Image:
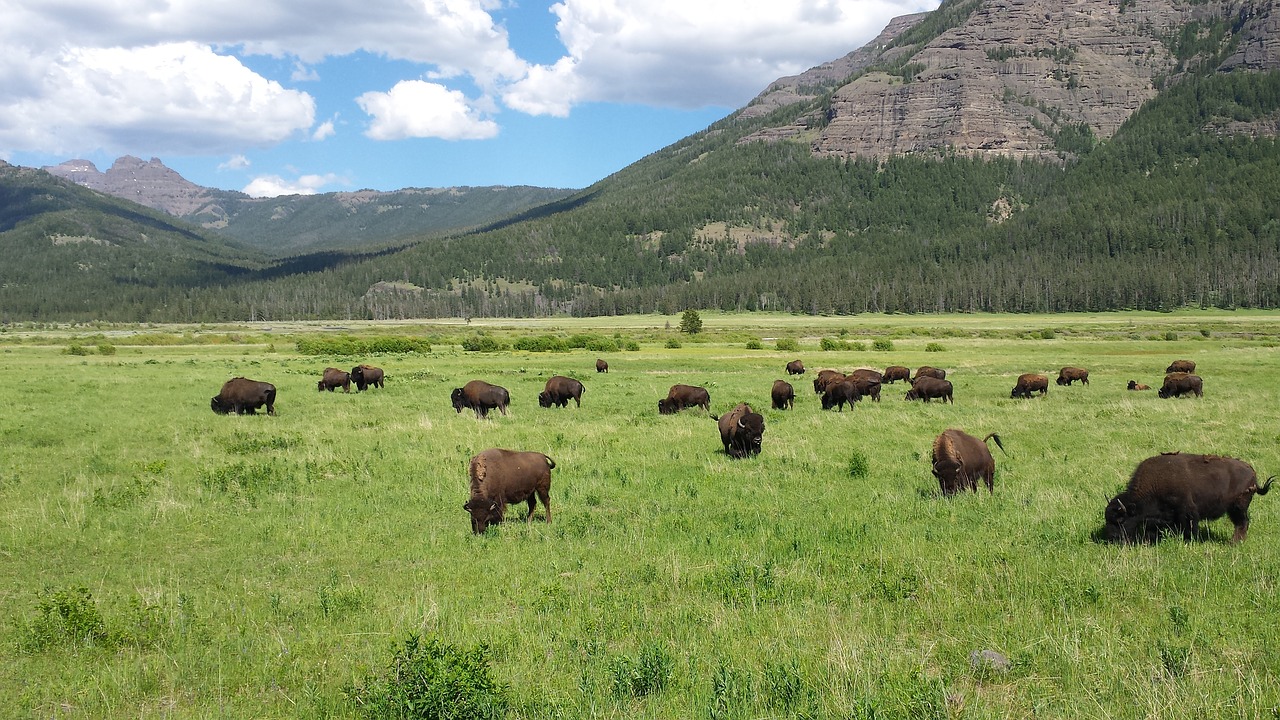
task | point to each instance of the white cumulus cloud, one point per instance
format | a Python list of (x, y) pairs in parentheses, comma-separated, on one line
[(235, 162), (275, 186), (419, 109), (324, 130)]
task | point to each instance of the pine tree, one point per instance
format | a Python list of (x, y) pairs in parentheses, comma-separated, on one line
[(691, 322)]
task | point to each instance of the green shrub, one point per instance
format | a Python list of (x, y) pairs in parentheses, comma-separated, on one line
[(754, 345), (934, 347), (673, 343), (1048, 334), (830, 344), (67, 617), (603, 345), (541, 343), (432, 679), (882, 345), (482, 343), (631, 346), (348, 345), (77, 349), (645, 674), (106, 349), (1170, 335), (787, 344), (859, 466)]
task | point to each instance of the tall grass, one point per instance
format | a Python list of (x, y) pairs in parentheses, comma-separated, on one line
[(161, 561)]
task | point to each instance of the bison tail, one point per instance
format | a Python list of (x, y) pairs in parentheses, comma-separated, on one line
[(997, 439), (551, 464), (1266, 486)]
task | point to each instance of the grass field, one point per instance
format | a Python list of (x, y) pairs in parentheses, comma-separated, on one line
[(157, 560)]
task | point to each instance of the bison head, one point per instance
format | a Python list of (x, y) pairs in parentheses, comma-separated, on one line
[(357, 373), (484, 512), (1124, 521), (544, 399), (667, 406), (459, 401), (320, 386), (220, 407), (750, 434)]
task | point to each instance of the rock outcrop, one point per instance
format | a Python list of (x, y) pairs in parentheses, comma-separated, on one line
[(150, 183)]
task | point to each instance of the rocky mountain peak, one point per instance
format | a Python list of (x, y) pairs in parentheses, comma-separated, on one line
[(146, 182)]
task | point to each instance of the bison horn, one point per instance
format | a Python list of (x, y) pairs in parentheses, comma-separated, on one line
[(741, 424)]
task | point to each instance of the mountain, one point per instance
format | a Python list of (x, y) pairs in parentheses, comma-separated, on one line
[(296, 224)]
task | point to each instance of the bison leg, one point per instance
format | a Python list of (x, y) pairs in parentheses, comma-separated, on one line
[(1240, 518), (990, 478), (533, 501)]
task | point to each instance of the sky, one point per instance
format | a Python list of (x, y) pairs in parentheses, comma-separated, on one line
[(275, 97)]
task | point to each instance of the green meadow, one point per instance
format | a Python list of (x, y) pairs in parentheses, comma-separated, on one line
[(161, 561)]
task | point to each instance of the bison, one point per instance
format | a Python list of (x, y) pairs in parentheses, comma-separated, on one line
[(867, 386), (894, 373), (1174, 492), (825, 379), (559, 390), (959, 459), (1068, 375), (928, 388), (1135, 385), (1185, 366), (783, 395), (845, 391), (926, 371), (1029, 383), (480, 397), (500, 477), (244, 396), (1178, 384), (602, 366), (795, 367), (334, 378), (680, 397), (866, 373), (741, 431), (367, 376)]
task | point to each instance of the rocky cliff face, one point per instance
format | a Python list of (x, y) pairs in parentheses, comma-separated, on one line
[(148, 183), (1014, 74)]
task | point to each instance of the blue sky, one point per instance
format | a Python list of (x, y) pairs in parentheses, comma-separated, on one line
[(328, 95)]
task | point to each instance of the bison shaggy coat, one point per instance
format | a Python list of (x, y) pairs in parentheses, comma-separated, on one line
[(1186, 366), (926, 371), (928, 388), (783, 395), (680, 397), (1029, 383), (1173, 492), (836, 395), (500, 477), (559, 390), (334, 378), (480, 397), (741, 431), (959, 459), (1068, 375), (1178, 384), (367, 376), (243, 396), (602, 366), (894, 373), (795, 367)]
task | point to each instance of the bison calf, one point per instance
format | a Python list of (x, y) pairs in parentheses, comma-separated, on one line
[(1135, 385), (680, 397), (244, 396), (1068, 375), (480, 397), (500, 477), (1029, 383), (795, 367), (783, 395), (334, 378), (1174, 492), (959, 459), (1179, 384), (741, 431), (367, 376), (602, 366), (559, 390)]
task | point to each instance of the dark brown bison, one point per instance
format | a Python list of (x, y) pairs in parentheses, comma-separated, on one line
[(741, 431), (680, 397), (602, 366), (933, 372), (243, 396), (1174, 492), (559, 390), (894, 373), (481, 397), (500, 477), (825, 379), (845, 391), (1185, 366), (1029, 383), (959, 459), (1068, 375), (1178, 384), (1135, 385), (868, 386), (783, 395), (795, 367), (928, 388), (365, 376), (333, 379)]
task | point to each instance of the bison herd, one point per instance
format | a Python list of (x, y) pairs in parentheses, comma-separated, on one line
[(1168, 493)]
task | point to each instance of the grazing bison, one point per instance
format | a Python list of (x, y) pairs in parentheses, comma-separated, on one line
[(602, 366), (795, 367), (867, 386), (825, 379), (243, 396), (741, 431), (1185, 366), (500, 477), (334, 378), (559, 390), (928, 388), (680, 397), (481, 397), (845, 391), (1029, 383), (365, 376), (1135, 385), (1068, 375), (1174, 492), (784, 396), (927, 372), (959, 459), (866, 373), (894, 373), (1178, 384)]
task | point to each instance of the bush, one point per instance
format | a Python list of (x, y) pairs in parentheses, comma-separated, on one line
[(631, 346), (77, 349), (432, 679), (673, 343), (882, 345), (1048, 334), (934, 347), (541, 343), (603, 345), (754, 345), (482, 343), (787, 345), (67, 617), (645, 674), (1170, 335), (347, 345), (859, 466), (106, 349)]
